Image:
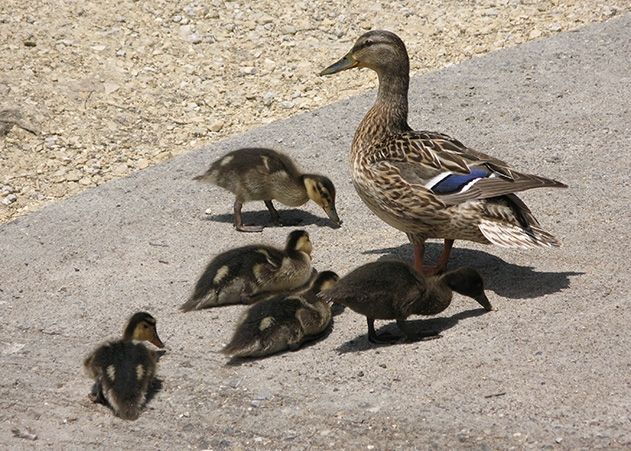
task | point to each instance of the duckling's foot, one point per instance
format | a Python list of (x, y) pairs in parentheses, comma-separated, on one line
[(238, 220), (384, 338)]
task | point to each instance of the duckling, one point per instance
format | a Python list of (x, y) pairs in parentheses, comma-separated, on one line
[(265, 174), (250, 273), (283, 322), (123, 369), (394, 290)]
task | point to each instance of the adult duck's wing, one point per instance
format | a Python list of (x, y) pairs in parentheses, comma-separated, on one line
[(452, 172)]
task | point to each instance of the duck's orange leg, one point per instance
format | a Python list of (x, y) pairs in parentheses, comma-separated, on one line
[(441, 263)]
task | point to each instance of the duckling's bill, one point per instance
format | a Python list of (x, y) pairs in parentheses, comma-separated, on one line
[(484, 302), (331, 212), (150, 334)]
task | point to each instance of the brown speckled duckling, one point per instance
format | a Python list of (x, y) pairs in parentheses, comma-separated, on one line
[(247, 274), (123, 369), (283, 323), (265, 174), (394, 290)]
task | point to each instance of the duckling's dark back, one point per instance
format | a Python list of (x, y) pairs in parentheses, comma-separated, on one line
[(266, 327), (124, 370), (240, 162), (378, 290), (224, 268)]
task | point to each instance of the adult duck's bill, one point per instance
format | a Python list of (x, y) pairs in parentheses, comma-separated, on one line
[(347, 62)]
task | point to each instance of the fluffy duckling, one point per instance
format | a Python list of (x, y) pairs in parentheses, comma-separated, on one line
[(250, 273), (283, 323), (265, 174), (394, 290), (123, 369)]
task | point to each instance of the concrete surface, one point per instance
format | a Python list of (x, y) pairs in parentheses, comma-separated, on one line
[(549, 369)]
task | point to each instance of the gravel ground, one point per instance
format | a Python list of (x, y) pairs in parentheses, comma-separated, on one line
[(91, 91), (548, 370)]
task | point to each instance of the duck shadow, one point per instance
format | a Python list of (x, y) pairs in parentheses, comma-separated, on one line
[(428, 328), (289, 218), (506, 279)]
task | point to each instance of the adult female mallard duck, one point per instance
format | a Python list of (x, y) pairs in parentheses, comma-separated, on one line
[(265, 174), (123, 369), (284, 322), (251, 273), (393, 290), (428, 184)]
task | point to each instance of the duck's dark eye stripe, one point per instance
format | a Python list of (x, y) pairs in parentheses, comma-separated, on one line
[(363, 45)]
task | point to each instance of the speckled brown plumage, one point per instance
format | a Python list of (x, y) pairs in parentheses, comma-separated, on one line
[(428, 184)]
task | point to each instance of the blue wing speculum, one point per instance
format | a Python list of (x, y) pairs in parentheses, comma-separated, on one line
[(449, 183)]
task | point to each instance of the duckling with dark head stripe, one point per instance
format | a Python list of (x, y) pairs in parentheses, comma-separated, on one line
[(265, 174), (394, 290), (247, 274), (283, 323), (123, 369)]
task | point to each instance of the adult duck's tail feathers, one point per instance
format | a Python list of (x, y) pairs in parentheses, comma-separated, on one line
[(516, 236)]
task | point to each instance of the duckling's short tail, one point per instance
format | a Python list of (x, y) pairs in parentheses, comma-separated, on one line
[(127, 409), (209, 176), (243, 347)]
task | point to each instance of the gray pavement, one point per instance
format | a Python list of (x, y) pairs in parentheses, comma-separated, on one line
[(550, 368)]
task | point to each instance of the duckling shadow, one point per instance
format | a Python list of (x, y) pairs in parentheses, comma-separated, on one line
[(289, 218), (506, 279), (425, 327)]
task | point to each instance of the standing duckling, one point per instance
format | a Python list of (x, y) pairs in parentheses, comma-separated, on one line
[(249, 273), (123, 369), (394, 290), (283, 322), (265, 174)]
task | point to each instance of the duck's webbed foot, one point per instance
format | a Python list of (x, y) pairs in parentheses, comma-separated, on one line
[(384, 338), (238, 220), (275, 217)]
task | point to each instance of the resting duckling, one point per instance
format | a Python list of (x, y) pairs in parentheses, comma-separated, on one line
[(265, 174), (283, 322), (427, 184), (123, 369), (394, 290), (247, 274)]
